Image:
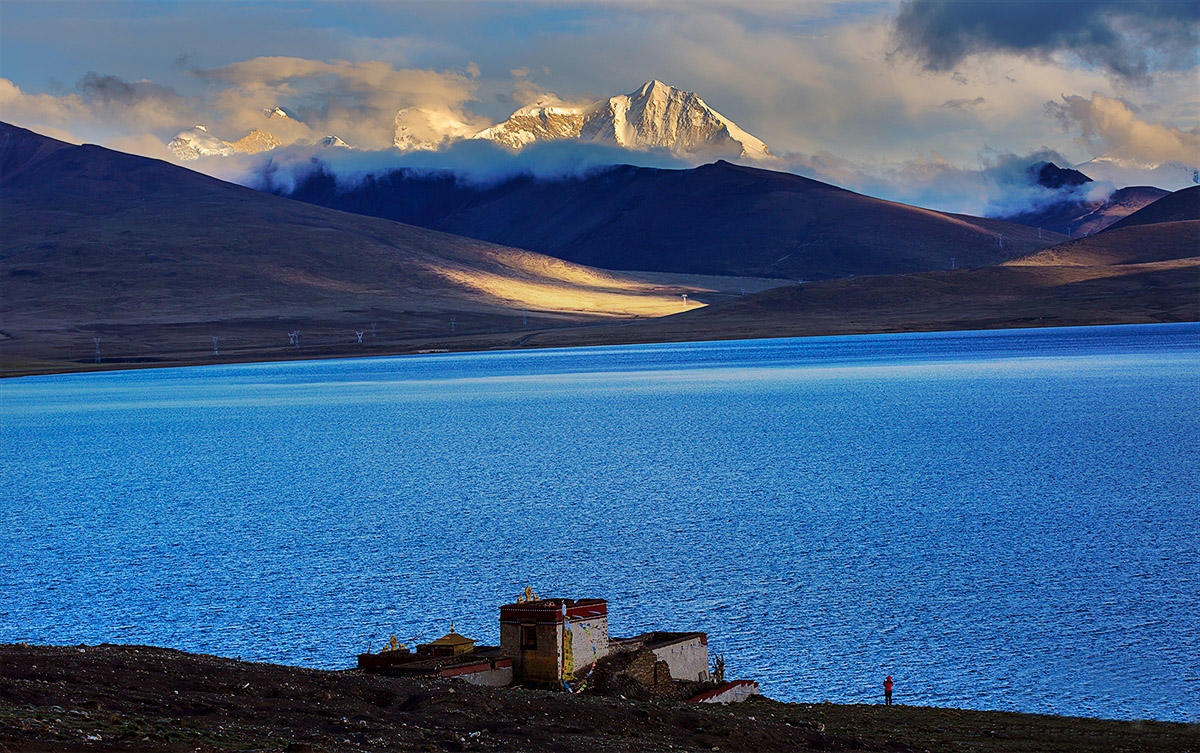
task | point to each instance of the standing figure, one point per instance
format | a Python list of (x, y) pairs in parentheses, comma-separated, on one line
[(887, 690)]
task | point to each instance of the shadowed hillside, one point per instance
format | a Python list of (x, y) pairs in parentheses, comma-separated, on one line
[(1139, 271), (1166, 230), (1183, 204), (156, 260), (715, 219)]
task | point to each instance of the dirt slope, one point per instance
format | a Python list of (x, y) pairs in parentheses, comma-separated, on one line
[(130, 698)]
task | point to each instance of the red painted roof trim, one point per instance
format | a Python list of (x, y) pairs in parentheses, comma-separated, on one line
[(719, 690)]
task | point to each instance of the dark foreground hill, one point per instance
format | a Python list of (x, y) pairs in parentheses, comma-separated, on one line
[(133, 698), (156, 260), (720, 219)]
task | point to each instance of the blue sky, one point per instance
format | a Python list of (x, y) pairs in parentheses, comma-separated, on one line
[(916, 100)]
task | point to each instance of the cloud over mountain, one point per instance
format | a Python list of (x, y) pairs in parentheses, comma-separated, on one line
[(357, 101)]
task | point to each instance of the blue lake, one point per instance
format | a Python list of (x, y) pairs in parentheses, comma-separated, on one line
[(1001, 520)]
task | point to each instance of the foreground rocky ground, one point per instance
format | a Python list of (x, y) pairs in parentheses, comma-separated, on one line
[(135, 698)]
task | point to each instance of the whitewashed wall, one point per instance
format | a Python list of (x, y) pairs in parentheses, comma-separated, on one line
[(581, 646), (688, 659)]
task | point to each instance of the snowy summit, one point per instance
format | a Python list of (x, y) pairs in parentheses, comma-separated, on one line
[(655, 116)]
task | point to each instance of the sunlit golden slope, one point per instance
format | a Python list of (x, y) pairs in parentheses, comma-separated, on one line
[(618, 298)]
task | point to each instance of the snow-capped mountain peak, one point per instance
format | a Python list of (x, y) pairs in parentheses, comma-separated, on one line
[(653, 116), (275, 112), (197, 142), (419, 128), (334, 141)]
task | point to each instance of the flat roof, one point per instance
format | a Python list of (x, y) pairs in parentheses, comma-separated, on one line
[(659, 638), (553, 602)]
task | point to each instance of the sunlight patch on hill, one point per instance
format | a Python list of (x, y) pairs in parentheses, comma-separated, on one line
[(606, 298)]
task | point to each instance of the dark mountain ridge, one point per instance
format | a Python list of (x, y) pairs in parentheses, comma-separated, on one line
[(1050, 175), (719, 218)]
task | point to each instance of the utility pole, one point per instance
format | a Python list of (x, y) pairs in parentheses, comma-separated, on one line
[(97, 341), (451, 324), (215, 351)]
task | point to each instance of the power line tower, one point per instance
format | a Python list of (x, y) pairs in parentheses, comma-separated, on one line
[(97, 341), (215, 351)]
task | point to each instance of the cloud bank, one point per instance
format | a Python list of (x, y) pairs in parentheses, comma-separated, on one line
[(1112, 127), (356, 101)]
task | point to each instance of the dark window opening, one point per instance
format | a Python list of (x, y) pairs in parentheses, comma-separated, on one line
[(528, 636)]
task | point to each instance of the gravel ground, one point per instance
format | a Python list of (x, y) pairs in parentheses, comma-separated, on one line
[(139, 698)]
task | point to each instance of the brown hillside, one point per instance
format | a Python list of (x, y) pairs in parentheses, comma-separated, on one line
[(156, 260)]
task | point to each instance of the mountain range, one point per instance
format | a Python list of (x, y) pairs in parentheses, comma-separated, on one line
[(655, 116), (719, 219), (166, 265), (155, 259), (197, 141)]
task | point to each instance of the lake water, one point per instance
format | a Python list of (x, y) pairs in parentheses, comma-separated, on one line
[(1001, 520)]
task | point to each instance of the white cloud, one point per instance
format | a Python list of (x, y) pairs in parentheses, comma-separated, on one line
[(1112, 128), (357, 101)]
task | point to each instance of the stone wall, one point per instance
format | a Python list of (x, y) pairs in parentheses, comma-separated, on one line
[(634, 674), (540, 664)]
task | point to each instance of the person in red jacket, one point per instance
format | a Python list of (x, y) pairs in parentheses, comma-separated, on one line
[(887, 690)]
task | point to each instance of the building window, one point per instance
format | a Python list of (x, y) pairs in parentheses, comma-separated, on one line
[(528, 637)]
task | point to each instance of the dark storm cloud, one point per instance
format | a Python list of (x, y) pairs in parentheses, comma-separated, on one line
[(963, 104), (112, 89), (1130, 38)]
